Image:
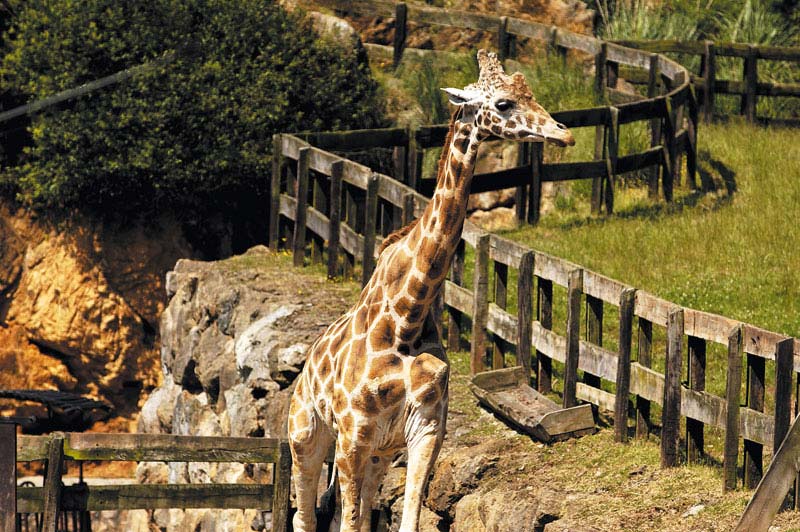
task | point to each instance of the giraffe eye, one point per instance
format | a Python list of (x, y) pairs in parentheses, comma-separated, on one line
[(504, 105)]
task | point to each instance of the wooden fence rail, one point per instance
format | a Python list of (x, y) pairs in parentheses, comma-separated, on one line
[(615, 381), (58, 447)]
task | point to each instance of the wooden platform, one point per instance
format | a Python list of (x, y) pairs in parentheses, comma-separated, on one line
[(507, 393)]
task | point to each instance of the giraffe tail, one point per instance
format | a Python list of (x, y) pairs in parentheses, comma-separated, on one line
[(326, 513)]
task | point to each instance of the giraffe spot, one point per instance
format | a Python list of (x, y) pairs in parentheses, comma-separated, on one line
[(391, 392), (324, 366), (365, 401), (346, 423), (382, 335), (372, 314), (354, 370), (497, 130), (428, 377), (339, 402), (365, 432), (417, 289), (407, 333), (495, 119), (487, 121), (384, 365), (511, 123), (403, 349)]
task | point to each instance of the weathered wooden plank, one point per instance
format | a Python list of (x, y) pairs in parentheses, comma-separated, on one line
[(351, 241), (549, 343), (502, 324), (575, 41), (628, 56), (594, 116), (733, 391), (370, 229), (30, 448), (168, 448), (52, 488), (675, 46), (552, 268), (773, 488), (767, 88), (637, 161), (572, 353), (783, 390), (454, 315), (500, 303), (596, 396), (708, 326), (301, 197), (695, 437), (335, 222), (317, 223), (8, 477), (753, 451), (670, 413), (535, 187), (573, 170), (451, 17), (506, 251), (525, 311), (602, 287), (544, 313), (358, 139), (152, 496), (508, 178), (623, 381), (275, 192), (652, 308), (480, 305), (282, 473), (382, 8), (760, 342), (642, 110), (458, 297), (526, 28)]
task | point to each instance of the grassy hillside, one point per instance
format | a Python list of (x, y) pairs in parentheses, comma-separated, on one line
[(733, 255)]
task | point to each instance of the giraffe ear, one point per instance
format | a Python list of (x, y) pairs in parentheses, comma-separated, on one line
[(461, 97)]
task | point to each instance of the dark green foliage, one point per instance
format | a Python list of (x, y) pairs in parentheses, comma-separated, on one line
[(189, 133)]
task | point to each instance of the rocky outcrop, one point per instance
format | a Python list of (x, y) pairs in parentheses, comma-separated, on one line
[(233, 338), (82, 297)]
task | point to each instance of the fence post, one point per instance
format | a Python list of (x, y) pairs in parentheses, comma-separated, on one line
[(335, 217), (299, 238), (525, 311), (750, 77), (400, 29), (8, 476), (454, 320), (754, 451), (535, 190), (691, 151), (574, 291), (611, 157), (695, 439), (275, 191), (645, 344), (594, 334), (732, 395), (655, 126), (600, 140), (415, 156), (502, 39), (544, 312), (671, 413), (520, 194), (626, 302), (480, 305), (370, 226), (670, 149), (601, 72), (282, 475), (51, 492), (501, 300), (710, 77), (784, 359)]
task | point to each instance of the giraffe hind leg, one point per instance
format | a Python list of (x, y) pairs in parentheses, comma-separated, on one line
[(309, 440)]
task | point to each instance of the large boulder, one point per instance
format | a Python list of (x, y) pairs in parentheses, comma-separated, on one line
[(504, 509), (83, 296)]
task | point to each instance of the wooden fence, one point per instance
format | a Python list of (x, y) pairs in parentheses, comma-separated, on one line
[(326, 208), (670, 110), (749, 88), (55, 448)]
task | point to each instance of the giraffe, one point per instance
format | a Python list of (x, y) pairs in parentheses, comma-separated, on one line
[(376, 381)]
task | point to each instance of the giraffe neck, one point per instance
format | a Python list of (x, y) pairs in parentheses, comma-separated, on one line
[(410, 274)]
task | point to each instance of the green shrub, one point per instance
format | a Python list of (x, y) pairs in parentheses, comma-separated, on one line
[(190, 133)]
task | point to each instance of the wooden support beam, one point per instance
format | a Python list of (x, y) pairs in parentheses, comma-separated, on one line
[(525, 311), (370, 228), (544, 315), (750, 77), (301, 195), (335, 217), (535, 188), (784, 359), (480, 305), (754, 451), (8, 476), (709, 74), (645, 343), (282, 475), (671, 411), (697, 382), (626, 303), (732, 396), (52, 483), (655, 127), (455, 316), (574, 292), (400, 32), (275, 192)]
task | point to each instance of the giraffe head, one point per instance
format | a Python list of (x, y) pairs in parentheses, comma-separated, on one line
[(504, 106)]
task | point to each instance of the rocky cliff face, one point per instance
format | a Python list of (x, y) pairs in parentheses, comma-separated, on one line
[(79, 304), (233, 338)]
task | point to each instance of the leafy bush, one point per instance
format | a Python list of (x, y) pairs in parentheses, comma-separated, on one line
[(187, 133)]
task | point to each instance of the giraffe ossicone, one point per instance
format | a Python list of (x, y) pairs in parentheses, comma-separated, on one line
[(376, 381)]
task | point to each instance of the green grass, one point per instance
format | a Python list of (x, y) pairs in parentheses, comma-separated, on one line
[(732, 256)]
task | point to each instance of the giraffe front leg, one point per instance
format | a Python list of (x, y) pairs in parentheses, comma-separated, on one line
[(351, 461), (373, 476), (425, 428), (309, 441)]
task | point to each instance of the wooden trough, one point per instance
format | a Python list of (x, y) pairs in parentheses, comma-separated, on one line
[(507, 393)]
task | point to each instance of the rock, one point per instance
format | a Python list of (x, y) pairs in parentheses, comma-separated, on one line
[(337, 29), (564, 526), (87, 295), (458, 474), (428, 521), (502, 509), (495, 219)]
